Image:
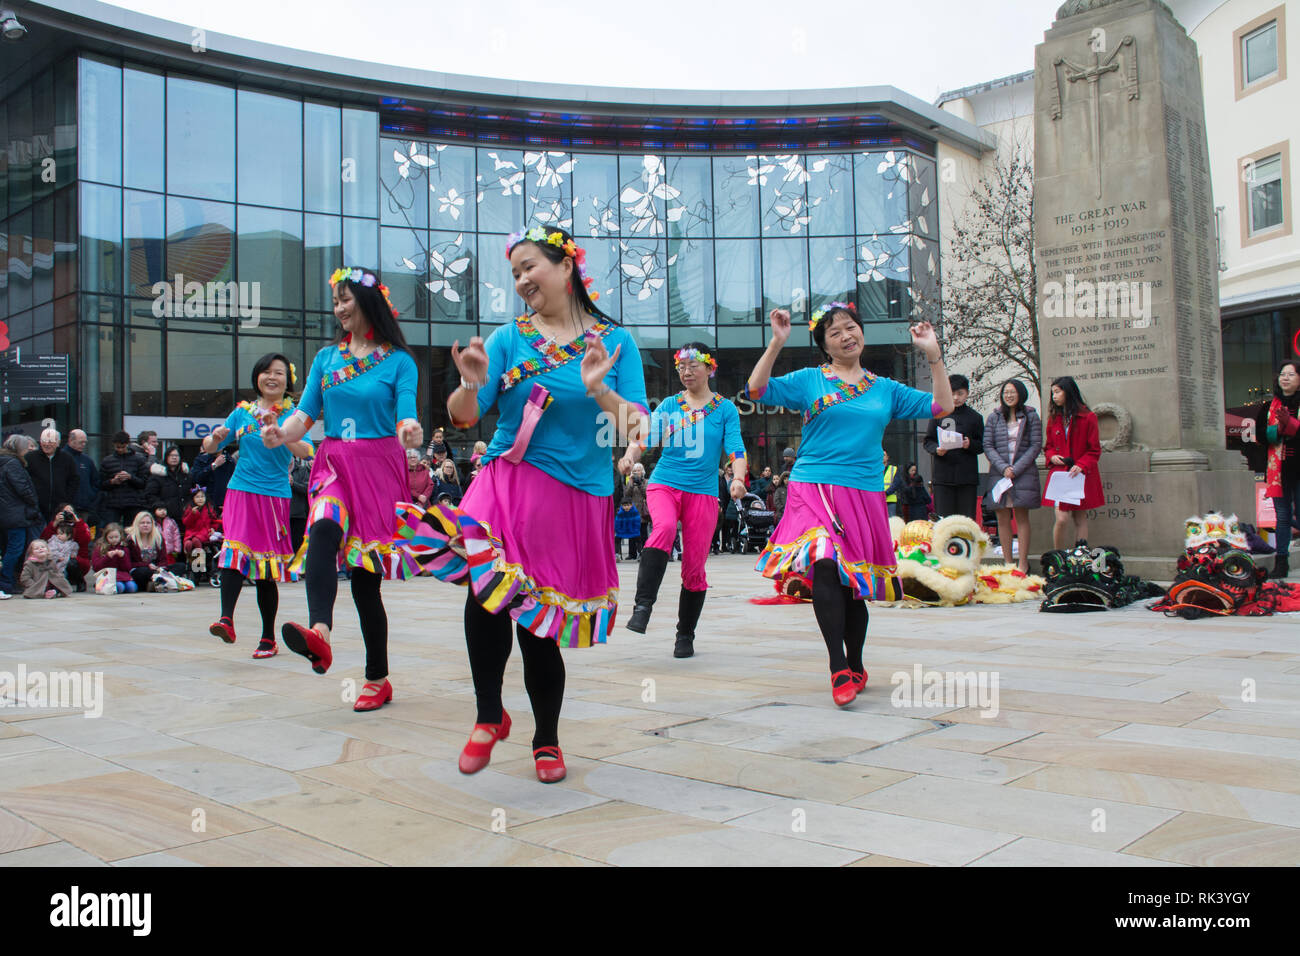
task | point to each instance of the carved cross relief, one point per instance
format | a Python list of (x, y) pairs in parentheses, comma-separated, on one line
[(1102, 63)]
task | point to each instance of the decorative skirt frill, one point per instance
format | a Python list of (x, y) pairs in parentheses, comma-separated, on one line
[(257, 542), (525, 543), (856, 538), (357, 483)]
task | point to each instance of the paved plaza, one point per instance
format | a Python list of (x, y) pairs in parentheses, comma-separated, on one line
[(1120, 738)]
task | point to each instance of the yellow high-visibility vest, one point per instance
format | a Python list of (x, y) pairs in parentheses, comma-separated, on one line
[(890, 471)]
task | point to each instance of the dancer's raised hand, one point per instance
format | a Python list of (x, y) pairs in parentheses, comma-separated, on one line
[(924, 338), (597, 362), (780, 320), (472, 363)]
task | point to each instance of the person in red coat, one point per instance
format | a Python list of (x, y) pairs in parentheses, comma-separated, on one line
[(1072, 444), (66, 514)]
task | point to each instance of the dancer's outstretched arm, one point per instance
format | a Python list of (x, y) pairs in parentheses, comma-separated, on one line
[(780, 320)]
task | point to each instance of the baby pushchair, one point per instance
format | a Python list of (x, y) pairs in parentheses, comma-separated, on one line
[(756, 522)]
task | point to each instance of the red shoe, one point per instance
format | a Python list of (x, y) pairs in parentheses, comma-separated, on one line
[(861, 679), (549, 771), (224, 629), (475, 756), (308, 642), (266, 650), (373, 700), (844, 693)]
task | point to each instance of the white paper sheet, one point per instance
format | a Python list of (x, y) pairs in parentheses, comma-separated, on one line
[(1064, 489), (1001, 488), (949, 440)]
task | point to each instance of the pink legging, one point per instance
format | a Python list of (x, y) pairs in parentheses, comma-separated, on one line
[(699, 517)]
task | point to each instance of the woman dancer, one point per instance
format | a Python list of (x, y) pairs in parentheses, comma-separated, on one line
[(836, 528), (256, 515), (532, 536), (365, 387), (1073, 443), (1013, 437), (696, 427), (1278, 428)]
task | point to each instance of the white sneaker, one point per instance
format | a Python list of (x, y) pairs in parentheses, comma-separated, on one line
[(4, 596)]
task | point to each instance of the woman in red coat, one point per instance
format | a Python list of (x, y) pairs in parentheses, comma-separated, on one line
[(1074, 445)]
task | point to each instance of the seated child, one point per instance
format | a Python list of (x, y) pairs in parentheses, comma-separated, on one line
[(40, 577)]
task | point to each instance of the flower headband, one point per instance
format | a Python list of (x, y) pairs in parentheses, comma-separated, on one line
[(570, 248), (830, 307), (362, 277), (695, 355)]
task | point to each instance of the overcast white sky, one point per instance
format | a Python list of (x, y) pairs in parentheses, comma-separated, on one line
[(923, 47)]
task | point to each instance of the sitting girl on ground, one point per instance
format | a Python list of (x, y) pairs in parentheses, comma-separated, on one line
[(110, 552), (40, 577)]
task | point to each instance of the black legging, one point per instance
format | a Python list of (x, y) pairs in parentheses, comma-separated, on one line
[(321, 575), (487, 636), (268, 600), (841, 616)]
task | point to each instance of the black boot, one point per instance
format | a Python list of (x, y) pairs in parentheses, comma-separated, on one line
[(648, 578), (688, 612), (1281, 563)]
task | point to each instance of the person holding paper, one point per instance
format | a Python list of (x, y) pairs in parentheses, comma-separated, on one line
[(956, 441), (1013, 437), (1072, 446)]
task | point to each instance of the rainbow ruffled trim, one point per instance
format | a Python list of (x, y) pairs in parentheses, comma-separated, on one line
[(462, 550), (255, 565), (871, 582), (378, 557)]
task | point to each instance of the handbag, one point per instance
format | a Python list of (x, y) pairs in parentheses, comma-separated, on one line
[(106, 581)]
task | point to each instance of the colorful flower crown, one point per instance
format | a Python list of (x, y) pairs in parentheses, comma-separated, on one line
[(362, 277), (830, 307), (695, 355), (556, 238)]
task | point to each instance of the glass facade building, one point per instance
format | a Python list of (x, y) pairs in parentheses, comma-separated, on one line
[(168, 223)]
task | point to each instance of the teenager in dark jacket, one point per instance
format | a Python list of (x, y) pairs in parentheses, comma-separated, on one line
[(956, 475), (54, 474), (123, 477), (170, 483)]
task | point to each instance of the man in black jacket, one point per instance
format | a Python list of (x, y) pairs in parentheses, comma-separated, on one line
[(54, 473), (123, 476), (87, 498), (956, 470)]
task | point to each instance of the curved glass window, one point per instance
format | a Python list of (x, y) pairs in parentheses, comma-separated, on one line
[(270, 150)]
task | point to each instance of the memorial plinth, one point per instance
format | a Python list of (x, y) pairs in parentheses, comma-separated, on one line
[(1128, 297)]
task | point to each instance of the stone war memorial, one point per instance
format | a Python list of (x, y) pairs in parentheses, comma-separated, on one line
[(1128, 297)]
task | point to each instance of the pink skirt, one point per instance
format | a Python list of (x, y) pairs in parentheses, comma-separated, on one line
[(358, 483), (527, 543), (862, 546), (257, 543)]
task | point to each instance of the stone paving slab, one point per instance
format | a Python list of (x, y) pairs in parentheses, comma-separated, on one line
[(1122, 738)]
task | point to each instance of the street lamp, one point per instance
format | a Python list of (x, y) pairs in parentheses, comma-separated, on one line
[(13, 30)]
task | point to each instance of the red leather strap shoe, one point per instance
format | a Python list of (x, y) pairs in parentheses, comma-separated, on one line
[(266, 649), (860, 678), (476, 755), (843, 691), (308, 642), (224, 629), (374, 695), (549, 771)]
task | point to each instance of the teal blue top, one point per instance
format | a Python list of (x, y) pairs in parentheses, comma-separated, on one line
[(844, 424), (260, 470), (361, 398), (574, 440), (694, 442)]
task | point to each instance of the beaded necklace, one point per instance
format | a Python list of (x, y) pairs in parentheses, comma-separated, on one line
[(554, 355), (844, 392), (353, 368)]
